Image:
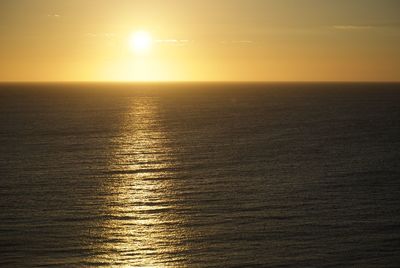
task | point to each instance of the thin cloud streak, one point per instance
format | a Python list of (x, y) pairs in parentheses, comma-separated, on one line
[(243, 42), (174, 42), (353, 27), (54, 16)]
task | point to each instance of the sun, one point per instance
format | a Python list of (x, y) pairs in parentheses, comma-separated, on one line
[(141, 42)]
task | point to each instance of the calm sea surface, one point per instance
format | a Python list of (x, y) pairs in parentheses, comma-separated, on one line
[(206, 175)]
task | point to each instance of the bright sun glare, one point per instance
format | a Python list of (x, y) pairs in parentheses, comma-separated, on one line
[(141, 42)]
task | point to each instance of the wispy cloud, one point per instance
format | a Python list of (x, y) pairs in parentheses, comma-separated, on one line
[(353, 27), (366, 27), (243, 42), (174, 42), (54, 16)]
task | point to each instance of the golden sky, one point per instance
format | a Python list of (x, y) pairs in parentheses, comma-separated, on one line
[(200, 40)]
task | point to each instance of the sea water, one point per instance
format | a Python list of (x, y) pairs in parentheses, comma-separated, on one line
[(200, 175)]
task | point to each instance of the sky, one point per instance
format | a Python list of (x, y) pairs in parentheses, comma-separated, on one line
[(207, 40)]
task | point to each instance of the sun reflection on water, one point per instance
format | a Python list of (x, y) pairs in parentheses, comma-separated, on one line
[(141, 229)]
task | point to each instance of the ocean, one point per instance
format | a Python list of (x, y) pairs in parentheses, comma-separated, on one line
[(200, 175)]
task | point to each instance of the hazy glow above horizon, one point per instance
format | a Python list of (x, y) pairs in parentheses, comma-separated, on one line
[(187, 40)]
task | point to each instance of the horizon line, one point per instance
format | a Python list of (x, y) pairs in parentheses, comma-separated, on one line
[(206, 82)]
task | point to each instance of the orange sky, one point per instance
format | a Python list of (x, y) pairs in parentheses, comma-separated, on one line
[(208, 40)]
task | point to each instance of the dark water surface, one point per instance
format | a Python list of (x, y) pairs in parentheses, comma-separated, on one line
[(206, 175)]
